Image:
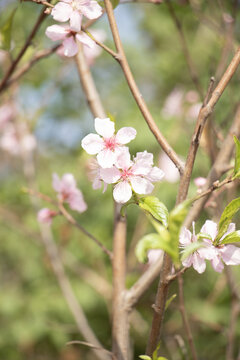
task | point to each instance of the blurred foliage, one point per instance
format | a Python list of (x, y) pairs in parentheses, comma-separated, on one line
[(35, 320)]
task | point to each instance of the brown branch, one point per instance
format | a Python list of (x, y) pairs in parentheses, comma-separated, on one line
[(103, 46), (88, 85), (120, 326), (41, 2), (28, 42), (135, 91)]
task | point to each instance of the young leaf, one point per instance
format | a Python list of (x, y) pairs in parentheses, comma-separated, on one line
[(190, 249), (231, 238), (155, 357), (156, 208), (201, 236), (6, 32), (145, 357), (169, 301), (226, 218), (154, 241), (237, 158)]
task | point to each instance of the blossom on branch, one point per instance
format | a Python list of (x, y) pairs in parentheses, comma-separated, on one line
[(68, 192), (46, 215), (105, 144), (74, 10), (69, 37), (129, 176)]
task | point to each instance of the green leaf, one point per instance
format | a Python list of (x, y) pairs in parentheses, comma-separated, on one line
[(231, 238), (226, 218), (115, 3), (169, 301), (6, 31), (190, 249), (161, 358), (156, 208), (145, 357), (201, 236), (154, 241), (156, 352), (237, 158)]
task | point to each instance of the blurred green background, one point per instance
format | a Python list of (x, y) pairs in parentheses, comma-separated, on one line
[(35, 320)]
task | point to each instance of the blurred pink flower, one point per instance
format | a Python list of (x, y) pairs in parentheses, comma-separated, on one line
[(137, 175), (170, 170), (68, 192), (173, 105), (94, 175), (73, 10), (7, 113), (15, 140), (200, 181), (45, 216), (155, 255), (69, 37), (228, 254), (107, 145)]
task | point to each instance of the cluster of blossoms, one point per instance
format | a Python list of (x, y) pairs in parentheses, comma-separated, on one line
[(15, 138), (217, 254), (70, 34), (68, 192), (114, 164)]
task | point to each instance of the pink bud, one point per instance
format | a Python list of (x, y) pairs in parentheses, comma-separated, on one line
[(45, 216)]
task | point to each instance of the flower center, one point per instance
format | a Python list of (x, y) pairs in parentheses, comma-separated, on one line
[(110, 143), (126, 173)]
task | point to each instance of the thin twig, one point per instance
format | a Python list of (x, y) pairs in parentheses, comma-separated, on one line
[(103, 46), (135, 91), (41, 2), (28, 42)]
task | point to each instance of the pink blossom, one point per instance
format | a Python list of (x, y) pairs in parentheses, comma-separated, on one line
[(107, 145), (15, 140), (128, 175), (95, 51), (69, 37), (173, 105), (200, 181), (68, 192), (170, 170), (155, 255), (195, 259), (95, 176), (45, 216), (73, 10), (7, 113), (220, 254)]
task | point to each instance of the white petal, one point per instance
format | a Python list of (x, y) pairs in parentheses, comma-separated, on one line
[(106, 158), (85, 40), (231, 228), (92, 144), (217, 264), (188, 261), (70, 47), (210, 228), (61, 12), (123, 158), (104, 127), (185, 237), (91, 11), (141, 185), (110, 176), (125, 135), (155, 174), (231, 255), (122, 192), (75, 21), (198, 263), (56, 32)]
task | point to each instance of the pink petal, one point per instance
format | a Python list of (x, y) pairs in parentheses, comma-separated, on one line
[(123, 158), (185, 237), (85, 40), (122, 192), (92, 144), (210, 228), (111, 175), (68, 183), (70, 47), (198, 263), (200, 181), (142, 163), (106, 158), (154, 255), (56, 182), (217, 264), (208, 252), (91, 11), (75, 21), (76, 201), (56, 32), (125, 135), (45, 216), (231, 228), (155, 174), (104, 127), (170, 170), (141, 185), (231, 255), (61, 12), (188, 261)]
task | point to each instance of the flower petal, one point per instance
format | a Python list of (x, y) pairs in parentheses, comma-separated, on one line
[(104, 127), (155, 174), (122, 192), (125, 135), (56, 32), (56, 182), (123, 158), (185, 237), (106, 158), (231, 255), (141, 185), (85, 40), (92, 144), (75, 21), (70, 47), (110, 175), (217, 264), (198, 263), (210, 228), (76, 201), (92, 10), (61, 11)]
